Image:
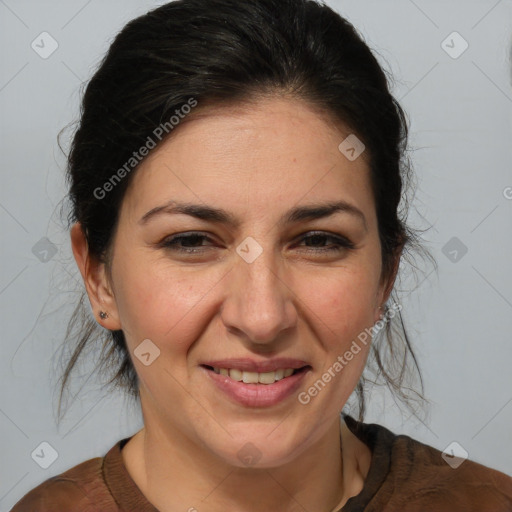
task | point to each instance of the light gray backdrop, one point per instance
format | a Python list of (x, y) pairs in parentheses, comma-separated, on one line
[(459, 101)]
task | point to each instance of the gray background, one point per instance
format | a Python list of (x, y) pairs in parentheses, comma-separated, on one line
[(460, 317)]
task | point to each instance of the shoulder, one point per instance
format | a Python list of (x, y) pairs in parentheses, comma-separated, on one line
[(432, 477), (80, 488), (406, 474)]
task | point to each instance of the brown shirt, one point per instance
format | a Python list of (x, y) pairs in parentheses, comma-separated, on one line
[(404, 475)]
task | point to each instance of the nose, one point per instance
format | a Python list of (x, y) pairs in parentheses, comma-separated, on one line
[(259, 304)]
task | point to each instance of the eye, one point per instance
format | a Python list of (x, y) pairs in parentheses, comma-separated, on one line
[(192, 243), (318, 238), (186, 242)]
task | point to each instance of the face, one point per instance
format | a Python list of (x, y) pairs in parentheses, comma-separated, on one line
[(258, 276)]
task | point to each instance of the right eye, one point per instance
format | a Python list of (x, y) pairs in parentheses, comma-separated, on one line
[(186, 243)]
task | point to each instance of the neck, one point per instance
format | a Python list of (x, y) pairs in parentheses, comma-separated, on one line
[(318, 479)]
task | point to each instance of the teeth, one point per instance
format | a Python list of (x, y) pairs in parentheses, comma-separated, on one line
[(236, 374), (255, 377), (267, 378), (250, 377)]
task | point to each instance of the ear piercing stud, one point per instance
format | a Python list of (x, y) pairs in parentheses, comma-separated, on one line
[(103, 315)]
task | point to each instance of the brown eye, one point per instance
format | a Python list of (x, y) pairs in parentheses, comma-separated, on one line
[(319, 238), (187, 243)]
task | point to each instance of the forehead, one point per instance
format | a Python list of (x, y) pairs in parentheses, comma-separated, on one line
[(258, 155)]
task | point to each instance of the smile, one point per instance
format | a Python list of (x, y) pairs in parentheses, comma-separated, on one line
[(255, 377), (256, 389)]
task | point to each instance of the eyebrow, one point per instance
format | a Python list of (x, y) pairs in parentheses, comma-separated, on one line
[(220, 216)]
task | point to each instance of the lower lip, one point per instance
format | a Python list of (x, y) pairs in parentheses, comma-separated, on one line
[(257, 395)]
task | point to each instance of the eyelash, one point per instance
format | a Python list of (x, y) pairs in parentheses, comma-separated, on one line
[(340, 243)]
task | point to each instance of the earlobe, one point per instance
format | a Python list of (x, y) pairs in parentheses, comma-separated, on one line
[(97, 285)]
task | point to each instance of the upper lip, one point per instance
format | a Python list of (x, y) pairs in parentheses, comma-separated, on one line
[(250, 365)]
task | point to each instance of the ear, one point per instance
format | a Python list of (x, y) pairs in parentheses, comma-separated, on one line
[(95, 279), (386, 286)]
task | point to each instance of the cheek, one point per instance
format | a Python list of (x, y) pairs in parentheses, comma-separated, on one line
[(342, 312), (164, 305), (170, 311), (342, 305)]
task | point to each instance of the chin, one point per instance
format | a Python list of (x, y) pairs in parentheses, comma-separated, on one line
[(256, 450)]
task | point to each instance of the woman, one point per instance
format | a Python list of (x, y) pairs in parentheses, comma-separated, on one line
[(235, 181)]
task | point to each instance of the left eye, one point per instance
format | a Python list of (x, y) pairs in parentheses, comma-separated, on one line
[(338, 243), (192, 243)]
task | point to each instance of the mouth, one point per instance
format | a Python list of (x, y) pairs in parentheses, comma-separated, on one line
[(250, 377), (253, 384)]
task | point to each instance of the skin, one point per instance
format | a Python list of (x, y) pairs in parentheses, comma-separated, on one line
[(256, 161)]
